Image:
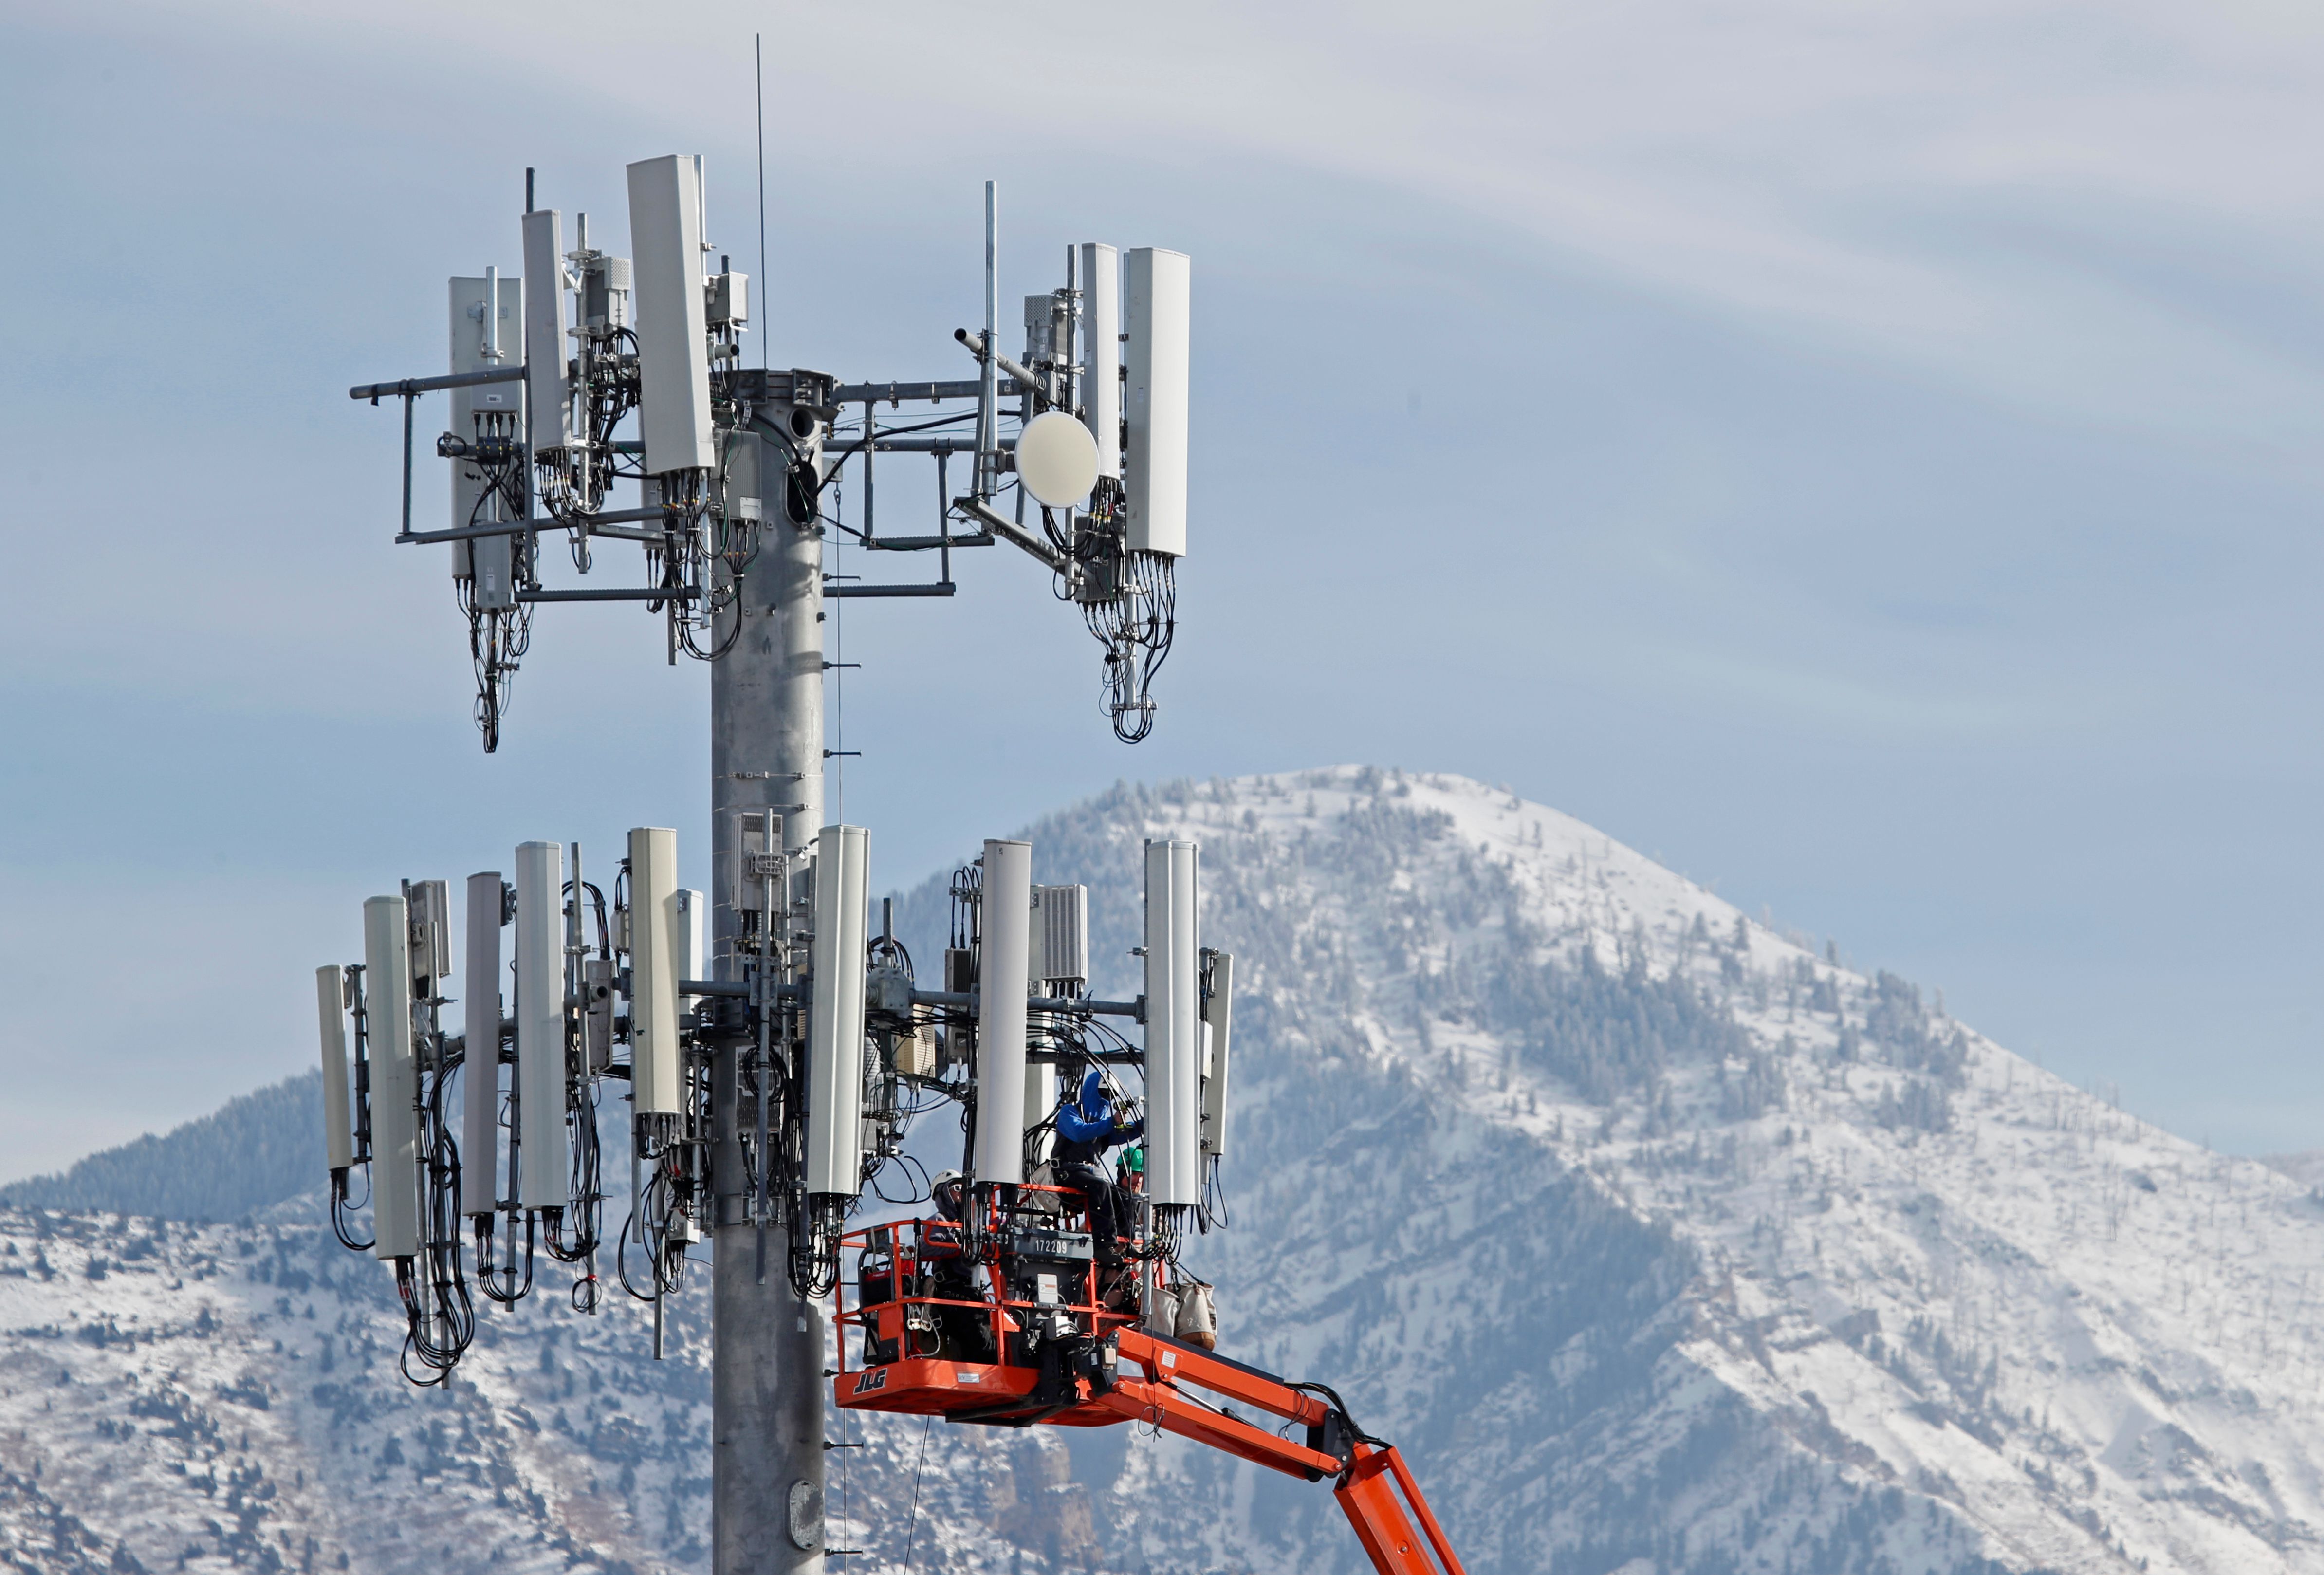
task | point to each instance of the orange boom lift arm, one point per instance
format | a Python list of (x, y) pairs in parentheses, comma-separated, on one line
[(1148, 1381), (1021, 1335)]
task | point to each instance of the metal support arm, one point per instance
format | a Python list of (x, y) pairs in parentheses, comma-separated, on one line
[(1012, 533), (1025, 380), (406, 387), (896, 394), (615, 593)]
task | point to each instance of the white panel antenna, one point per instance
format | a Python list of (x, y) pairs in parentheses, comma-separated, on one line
[(1218, 1023), (1101, 272), (480, 1092), (655, 1058), (394, 1079), (1173, 1071), (835, 1047), (1160, 306), (1007, 920), (541, 1179), (673, 350), (549, 407), (331, 1010)]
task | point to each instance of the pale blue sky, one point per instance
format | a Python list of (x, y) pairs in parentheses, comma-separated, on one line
[(1868, 460)]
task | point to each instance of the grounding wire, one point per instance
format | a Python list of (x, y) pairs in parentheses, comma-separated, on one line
[(912, 1526)]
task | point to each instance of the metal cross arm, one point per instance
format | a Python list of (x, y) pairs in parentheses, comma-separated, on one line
[(929, 543), (612, 594), (934, 588), (933, 393), (607, 524), (407, 387), (971, 1000), (1023, 379)]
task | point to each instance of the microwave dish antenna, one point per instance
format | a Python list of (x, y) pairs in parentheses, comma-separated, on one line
[(1056, 460)]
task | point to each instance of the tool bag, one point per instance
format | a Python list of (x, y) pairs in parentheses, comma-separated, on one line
[(1049, 1205), (1160, 1313), (1198, 1315)]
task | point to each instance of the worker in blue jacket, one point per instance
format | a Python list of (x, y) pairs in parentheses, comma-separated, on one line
[(1087, 1126)]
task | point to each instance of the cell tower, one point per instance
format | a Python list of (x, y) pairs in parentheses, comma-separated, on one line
[(774, 1046)]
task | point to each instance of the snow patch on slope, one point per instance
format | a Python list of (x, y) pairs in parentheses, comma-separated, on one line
[(2073, 1340)]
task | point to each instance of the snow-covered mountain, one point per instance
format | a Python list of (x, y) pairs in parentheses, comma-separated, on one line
[(1659, 1243)]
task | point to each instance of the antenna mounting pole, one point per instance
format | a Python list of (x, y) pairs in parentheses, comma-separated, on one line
[(766, 1362)]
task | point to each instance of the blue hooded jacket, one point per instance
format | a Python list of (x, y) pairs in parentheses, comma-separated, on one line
[(1086, 1126)]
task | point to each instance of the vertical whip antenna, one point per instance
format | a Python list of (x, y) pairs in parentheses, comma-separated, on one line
[(988, 395), (758, 85)]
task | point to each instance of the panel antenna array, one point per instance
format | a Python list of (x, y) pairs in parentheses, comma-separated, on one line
[(775, 1043), (591, 371)]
